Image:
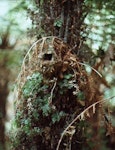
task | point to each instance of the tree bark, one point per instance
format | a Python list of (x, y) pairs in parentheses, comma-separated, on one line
[(64, 19)]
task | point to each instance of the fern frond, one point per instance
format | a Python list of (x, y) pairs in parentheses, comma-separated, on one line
[(81, 116)]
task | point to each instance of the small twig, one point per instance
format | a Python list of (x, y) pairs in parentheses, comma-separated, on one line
[(78, 117), (90, 67), (51, 96), (26, 56)]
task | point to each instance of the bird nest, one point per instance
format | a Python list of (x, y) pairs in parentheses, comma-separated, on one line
[(53, 88), (51, 57)]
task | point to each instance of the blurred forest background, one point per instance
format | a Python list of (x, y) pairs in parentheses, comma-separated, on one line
[(18, 30)]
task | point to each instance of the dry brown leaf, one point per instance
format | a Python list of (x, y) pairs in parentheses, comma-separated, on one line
[(87, 114), (109, 129)]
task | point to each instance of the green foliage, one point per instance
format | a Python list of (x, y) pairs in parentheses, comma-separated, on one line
[(38, 109), (81, 96), (32, 85), (66, 83), (58, 23), (100, 21), (41, 2), (57, 116)]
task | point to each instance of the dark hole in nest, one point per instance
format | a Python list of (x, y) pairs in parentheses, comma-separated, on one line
[(47, 56)]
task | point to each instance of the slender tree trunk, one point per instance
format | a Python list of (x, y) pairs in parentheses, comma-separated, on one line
[(3, 97), (4, 80)]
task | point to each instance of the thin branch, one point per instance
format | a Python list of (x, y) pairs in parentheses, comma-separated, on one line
[(91, 68), (51, 96)]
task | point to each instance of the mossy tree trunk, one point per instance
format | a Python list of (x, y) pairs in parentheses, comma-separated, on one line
[(55, 88)]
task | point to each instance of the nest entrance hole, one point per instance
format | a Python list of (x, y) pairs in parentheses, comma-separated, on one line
[(47, 57)]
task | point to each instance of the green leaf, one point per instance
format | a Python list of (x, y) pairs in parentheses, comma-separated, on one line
[(58, 23), (68, 76), (35, 114), (57, 116), (46, 109), (32, 85), (81, 96)]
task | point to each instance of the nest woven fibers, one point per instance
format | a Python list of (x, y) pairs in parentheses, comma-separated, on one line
[(51, 57)]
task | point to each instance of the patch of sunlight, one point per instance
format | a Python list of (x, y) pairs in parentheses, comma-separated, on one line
[(109, 93), (88, 69), (109, 78), (4, 7)]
